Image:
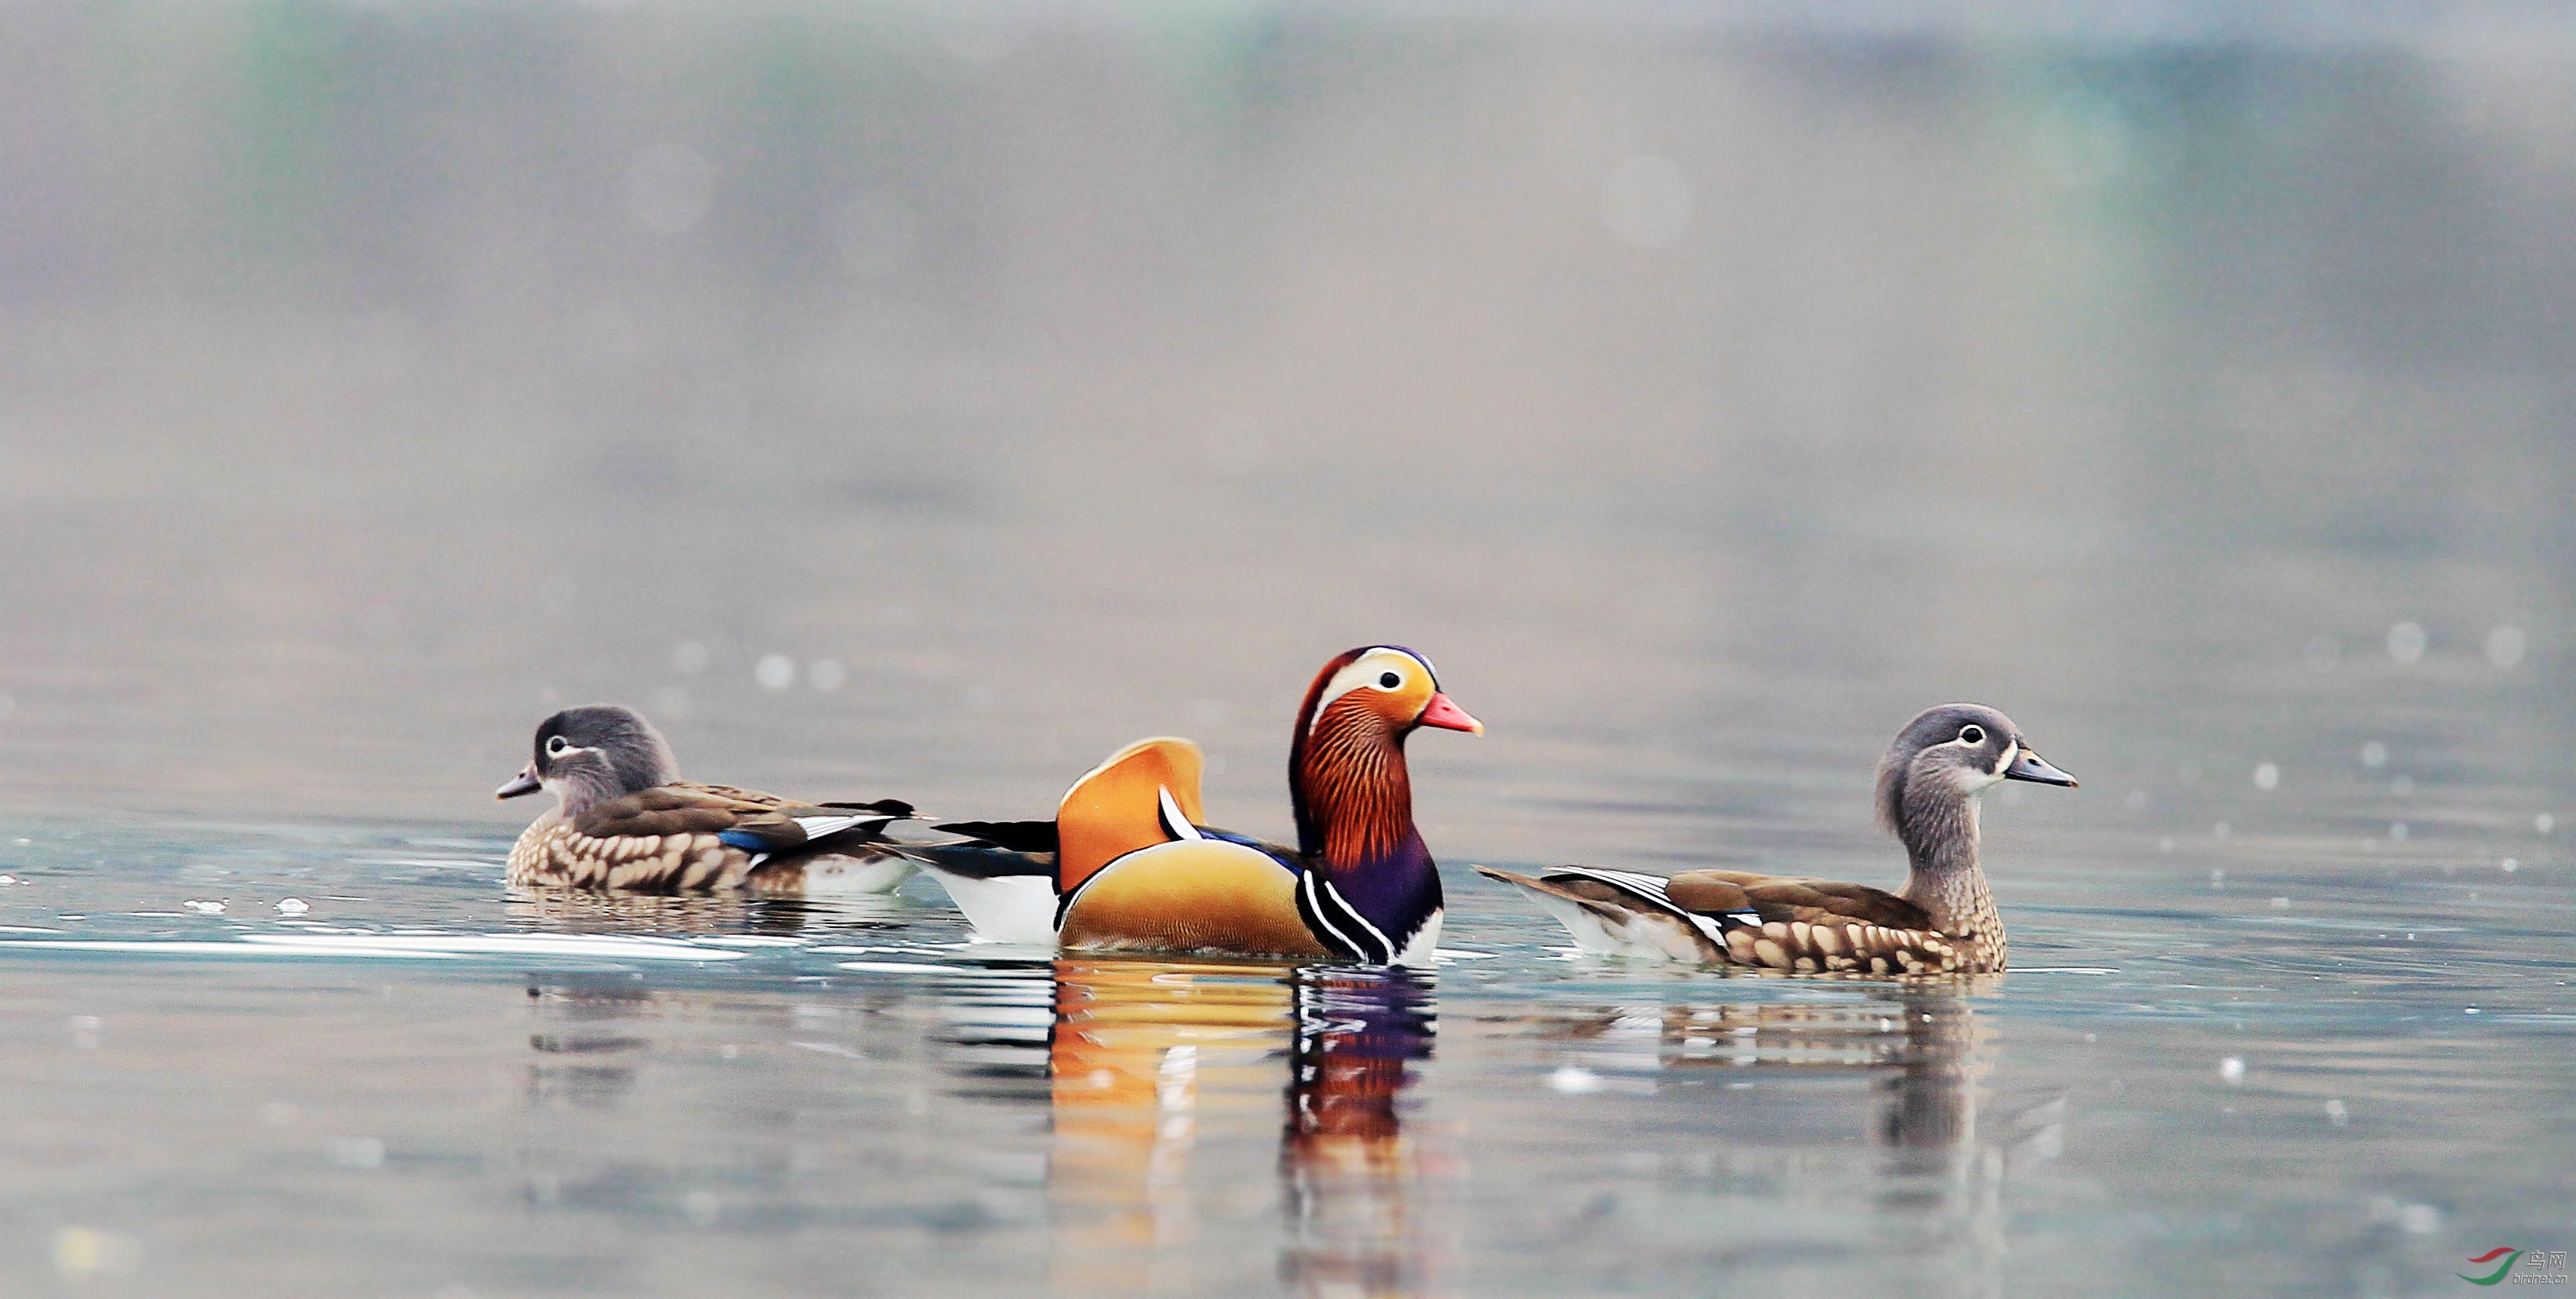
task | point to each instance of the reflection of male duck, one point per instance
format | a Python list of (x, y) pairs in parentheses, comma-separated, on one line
[(1155, 1063)]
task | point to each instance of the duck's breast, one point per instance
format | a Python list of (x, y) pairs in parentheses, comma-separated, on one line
[(1193, 895)]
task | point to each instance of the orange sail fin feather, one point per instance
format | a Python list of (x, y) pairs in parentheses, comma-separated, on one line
[(1117, 808)]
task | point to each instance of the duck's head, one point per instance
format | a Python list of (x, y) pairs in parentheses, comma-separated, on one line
[(1382, 689), (1951, 754), (594, 752)]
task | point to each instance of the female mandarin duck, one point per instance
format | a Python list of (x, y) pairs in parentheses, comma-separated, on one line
[(623, 819), (1943, 922), (1126, 866)]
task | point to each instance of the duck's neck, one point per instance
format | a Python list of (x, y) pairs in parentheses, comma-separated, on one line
[(1940, 834), (580, 791), (1355, 818)]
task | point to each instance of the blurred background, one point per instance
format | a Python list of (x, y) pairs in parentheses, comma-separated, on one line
[(920, 400)]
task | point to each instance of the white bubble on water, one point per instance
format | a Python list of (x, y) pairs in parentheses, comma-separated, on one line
[(2544, 823), (204, 908), (2510, 865), (2233, 1070), (2505, 646), (293, 906), (1646, 202), (775, 672), (83, 1252), (2280, 904), (2267, 777), (1574, 1080), (2374, 755), (827, 674), (2407, 642), (357, 1153), (2397, 830), (669, 188), (702, 1207), (2336, 1113)]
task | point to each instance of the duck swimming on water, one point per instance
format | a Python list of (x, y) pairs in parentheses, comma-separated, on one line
[(1127, 866), (624, 820), (1943, 921)]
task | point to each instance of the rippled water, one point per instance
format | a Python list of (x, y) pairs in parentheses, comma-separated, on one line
[(2300, 1079)]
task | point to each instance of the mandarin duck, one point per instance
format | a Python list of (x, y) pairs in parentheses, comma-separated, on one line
[(1944, 921), (624, 820), (1127, 866)]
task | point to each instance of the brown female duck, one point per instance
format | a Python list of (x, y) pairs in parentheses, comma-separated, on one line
[(1943, 921)]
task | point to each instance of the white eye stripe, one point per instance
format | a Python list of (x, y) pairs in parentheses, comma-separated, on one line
[(1365, 671)]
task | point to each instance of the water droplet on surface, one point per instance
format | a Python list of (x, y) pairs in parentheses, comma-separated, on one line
[(1646, 202), (2407, 642), (81, 1252), (2505, 646), (357, 1153), (1574, 1080), (703, 1207), (669, 188), (775, 672), (2232, 1069), (2374, 755), (2267, 777)]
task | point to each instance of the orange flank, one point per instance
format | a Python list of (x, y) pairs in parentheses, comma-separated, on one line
[(1192, 895), (1117, 807)]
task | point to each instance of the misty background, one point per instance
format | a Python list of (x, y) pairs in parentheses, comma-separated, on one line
[(922, 400)]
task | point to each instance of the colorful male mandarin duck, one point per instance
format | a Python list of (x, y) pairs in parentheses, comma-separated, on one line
[(1126, 866), (624, 820), (1943, 922)]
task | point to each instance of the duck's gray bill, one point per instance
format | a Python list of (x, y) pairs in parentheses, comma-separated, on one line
[(526, 783), (2031, 766)]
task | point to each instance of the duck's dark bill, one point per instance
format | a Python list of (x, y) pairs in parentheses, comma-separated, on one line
[(523, 783), (2031, 766)]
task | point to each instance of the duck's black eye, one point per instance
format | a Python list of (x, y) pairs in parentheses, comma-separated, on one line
[(1388, 681), (1972, 734), (556, 746)]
